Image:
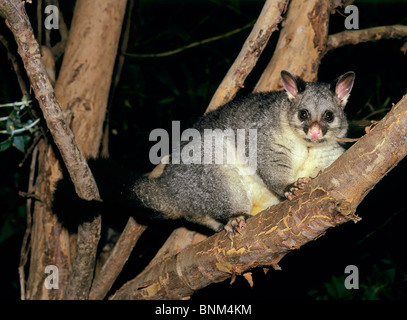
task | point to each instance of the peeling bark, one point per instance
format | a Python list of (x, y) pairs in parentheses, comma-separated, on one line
[(114, 264), (50, 243), (266, 24), (268, 237), (301, 44)]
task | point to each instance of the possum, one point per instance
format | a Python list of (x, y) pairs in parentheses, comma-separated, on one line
[(241, 158)]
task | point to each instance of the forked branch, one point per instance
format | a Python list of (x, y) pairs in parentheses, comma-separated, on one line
[(81, 176)]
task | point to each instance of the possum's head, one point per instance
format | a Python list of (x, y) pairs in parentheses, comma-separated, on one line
[(315, 110)]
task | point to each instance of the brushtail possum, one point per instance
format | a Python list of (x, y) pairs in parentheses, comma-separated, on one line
[(295, 134)]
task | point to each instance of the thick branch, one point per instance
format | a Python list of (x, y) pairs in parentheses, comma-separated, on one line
[(114, 264), (29, 51), (361, 167), (344, 38), (75, 162), (266, 239), (328, 201), (83, 87), (301, 43), (267, 23)]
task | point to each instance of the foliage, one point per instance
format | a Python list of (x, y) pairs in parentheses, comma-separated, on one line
[(384, 281), (18, 125)]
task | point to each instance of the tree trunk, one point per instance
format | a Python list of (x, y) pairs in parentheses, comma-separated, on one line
[(82, 89), (301, 44), (268, 21)]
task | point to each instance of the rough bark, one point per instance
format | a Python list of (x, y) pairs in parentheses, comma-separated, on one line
[(79, 89), (114, 264), (301, 44), (29, 51), (84, 90), (327, 201), (266, 24), (50, 243)]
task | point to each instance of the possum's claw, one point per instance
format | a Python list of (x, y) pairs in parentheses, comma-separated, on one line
[(234, 225), (294, 189)]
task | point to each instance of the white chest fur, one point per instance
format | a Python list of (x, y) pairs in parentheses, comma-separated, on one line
[(307, 161)]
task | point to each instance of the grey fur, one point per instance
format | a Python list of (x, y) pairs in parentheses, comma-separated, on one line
[(212, 194)]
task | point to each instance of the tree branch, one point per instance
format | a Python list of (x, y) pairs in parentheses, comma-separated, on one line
[(301, 44), (266, 24), (344, 38), (328, 201), (28, 48), (114, 264), (189, 46), (76, 164), (25, 244), (83, 87)]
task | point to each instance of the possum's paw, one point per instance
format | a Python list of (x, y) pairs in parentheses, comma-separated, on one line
[(294, 189), (234, 225)]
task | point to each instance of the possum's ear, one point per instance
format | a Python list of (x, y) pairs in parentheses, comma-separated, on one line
[(293, 85), (342, 87)]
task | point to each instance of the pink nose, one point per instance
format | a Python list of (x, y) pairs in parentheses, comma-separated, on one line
[(314, 132)]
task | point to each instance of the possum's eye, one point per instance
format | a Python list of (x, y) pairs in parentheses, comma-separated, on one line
[(303, 114), (328, 116)]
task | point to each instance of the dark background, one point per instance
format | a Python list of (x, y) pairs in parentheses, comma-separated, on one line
[(154, 91)]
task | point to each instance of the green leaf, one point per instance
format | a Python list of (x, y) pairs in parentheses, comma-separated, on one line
[(167, 100), (6, 144), (19, 143), (6, 230)]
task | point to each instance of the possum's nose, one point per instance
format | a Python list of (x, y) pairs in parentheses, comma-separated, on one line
[(315, 131)]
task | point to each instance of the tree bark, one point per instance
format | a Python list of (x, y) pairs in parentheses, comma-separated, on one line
[(347, 37), (301, 44), (266, 24), (87, 68), (115, 263), (82, 87), (328, 201)]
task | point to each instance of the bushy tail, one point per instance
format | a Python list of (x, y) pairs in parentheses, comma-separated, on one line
[(115, 186), (155, 195)]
